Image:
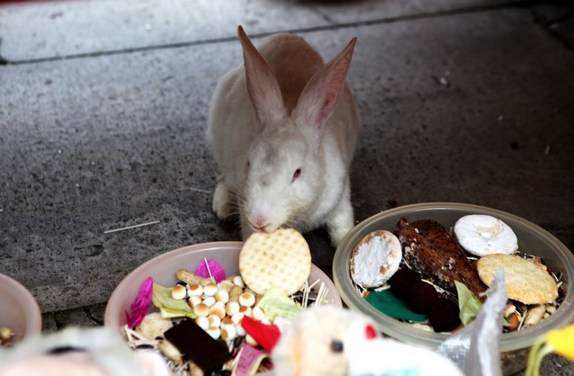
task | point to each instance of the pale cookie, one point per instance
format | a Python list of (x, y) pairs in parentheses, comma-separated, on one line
[(375, 259), (484, 235), (281, 259), (525, 281)]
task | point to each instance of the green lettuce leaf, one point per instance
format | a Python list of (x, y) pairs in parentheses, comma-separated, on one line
[(468, 304), (275, 303), (168, 306)]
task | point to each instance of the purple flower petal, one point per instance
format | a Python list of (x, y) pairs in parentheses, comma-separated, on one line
[(140, 306), (212, 266)]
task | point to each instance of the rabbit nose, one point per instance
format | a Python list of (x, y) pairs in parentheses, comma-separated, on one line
[(259, 223)]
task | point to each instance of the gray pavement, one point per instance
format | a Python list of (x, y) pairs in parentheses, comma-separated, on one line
[(103, 107)]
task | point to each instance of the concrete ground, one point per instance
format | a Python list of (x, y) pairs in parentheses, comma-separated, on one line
[(103, 107)]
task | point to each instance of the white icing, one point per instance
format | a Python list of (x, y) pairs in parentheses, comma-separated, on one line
[(483, 235), (376, 260)]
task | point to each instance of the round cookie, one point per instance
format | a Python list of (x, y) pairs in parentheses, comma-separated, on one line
[(375, 259), (525, 281), (281, 259), (483, 235)]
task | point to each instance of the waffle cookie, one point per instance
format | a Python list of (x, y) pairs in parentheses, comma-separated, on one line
[(281, 259)]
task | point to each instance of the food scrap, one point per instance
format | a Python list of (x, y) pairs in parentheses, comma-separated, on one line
[(209, 322), (198, 346), (483, 235), (375, 259), (525, 281), (431, 251), (281, 259), (443, 276), (6, 337)]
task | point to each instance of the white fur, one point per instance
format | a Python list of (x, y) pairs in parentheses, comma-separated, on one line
[(284, 112)]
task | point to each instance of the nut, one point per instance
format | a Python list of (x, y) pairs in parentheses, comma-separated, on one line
[(509, 309), (170, 351), (188, 277), (225, 285), (234, 293), (513, 321), (534, 315), (6, 334)]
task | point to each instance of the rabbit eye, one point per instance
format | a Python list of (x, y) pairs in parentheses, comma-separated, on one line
[(296, 174), (336, 346)]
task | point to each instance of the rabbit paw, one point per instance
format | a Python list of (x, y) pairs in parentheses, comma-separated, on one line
[(340, 223), (337, 234), (339, 228), (221, 201)]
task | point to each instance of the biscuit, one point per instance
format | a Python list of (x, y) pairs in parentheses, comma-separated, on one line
[(281, 259), (525, 281)]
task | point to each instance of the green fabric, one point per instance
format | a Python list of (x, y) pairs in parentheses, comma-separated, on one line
[(386, 302)]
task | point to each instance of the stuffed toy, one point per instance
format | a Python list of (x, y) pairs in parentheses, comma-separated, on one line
[(79, 351), (328, 340)]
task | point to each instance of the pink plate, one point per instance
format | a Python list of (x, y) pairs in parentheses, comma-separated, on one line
[(163, 267), (19, 310)]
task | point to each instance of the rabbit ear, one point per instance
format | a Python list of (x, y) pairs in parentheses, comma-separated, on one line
[(262, 84), (320, 95)]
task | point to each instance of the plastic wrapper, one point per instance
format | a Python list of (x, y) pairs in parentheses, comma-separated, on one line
[(475, 348)]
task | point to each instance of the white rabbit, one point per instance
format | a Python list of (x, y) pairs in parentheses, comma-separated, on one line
[(283, 128)]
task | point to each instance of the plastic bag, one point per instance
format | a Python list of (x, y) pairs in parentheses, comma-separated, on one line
[(475, 348)]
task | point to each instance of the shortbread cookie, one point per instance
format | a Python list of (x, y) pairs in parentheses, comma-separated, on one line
[(281, 259), (375, 259), (525, 281)]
